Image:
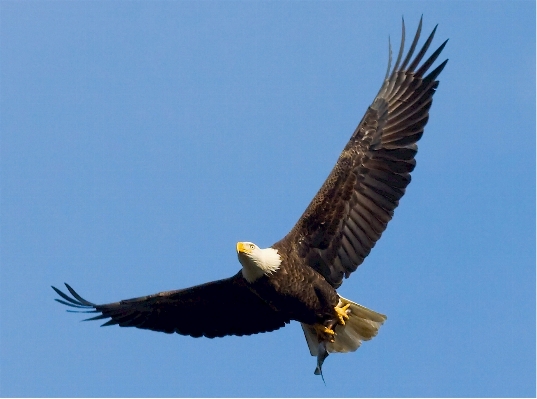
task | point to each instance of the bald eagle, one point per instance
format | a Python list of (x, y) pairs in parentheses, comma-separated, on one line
[(297, 277)]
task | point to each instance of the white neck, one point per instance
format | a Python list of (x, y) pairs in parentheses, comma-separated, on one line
[(261, 262)]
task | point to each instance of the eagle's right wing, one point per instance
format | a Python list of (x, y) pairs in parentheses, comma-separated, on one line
[(215, 309)]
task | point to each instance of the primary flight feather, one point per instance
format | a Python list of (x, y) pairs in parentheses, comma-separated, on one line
[(296, 278)]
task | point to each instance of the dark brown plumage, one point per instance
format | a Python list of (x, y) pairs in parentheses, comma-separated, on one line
[(208, 310), (353, 207), (336, 232)]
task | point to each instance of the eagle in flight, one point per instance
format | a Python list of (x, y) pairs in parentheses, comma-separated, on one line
[(297, 277)]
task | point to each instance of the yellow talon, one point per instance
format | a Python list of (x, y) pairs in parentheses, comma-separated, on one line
[(341, 313), (324, 333)]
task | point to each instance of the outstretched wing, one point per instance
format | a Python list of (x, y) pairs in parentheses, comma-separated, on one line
[(215, 309), (356, 202)]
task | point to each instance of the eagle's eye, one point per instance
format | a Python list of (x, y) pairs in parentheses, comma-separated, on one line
[(252, 246)]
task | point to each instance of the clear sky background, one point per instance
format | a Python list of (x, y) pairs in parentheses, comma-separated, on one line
[(141, 140)]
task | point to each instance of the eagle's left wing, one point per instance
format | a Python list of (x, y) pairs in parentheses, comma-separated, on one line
[(215, 309), (353, 207)]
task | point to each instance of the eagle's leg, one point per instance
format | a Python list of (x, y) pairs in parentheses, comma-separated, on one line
[(324, 333), (341, 312)]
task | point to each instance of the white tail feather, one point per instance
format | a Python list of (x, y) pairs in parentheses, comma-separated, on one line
[(363, 324)]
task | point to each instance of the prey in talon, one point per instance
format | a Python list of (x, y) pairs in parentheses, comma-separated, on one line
[(321, 356)]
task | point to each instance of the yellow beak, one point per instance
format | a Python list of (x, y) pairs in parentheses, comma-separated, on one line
[(242, 248)]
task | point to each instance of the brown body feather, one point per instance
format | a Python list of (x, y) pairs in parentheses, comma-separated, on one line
[(296, 289)]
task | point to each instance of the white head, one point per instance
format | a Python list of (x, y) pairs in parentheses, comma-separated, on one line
[(257, 262)]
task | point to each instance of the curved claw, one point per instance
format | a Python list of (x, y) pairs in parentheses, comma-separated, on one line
[(324, 333), (341, 313)]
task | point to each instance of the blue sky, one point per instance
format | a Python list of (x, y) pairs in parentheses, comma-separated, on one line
[(141, 140)]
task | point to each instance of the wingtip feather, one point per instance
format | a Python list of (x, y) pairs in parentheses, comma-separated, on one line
[(75, 294)]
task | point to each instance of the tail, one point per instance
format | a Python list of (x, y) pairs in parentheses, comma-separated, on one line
[(363, 324)]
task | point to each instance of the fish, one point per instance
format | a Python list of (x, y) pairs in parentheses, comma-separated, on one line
[(322, 354)]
